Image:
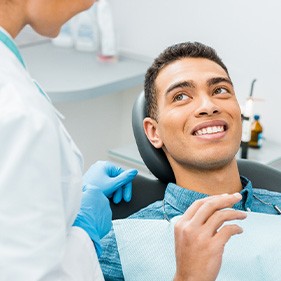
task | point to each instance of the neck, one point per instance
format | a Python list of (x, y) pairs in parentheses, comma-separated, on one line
[(12, 17), (213, 181)]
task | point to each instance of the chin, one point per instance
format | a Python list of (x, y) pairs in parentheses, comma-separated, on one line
[(51, 34), (211, 163), (217, 164), (218, 159), (47, 32)]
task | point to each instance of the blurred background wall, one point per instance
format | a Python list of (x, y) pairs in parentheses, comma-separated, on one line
[(246, 35)]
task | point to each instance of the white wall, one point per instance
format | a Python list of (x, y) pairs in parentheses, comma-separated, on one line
[(99, 124), (246, 34)]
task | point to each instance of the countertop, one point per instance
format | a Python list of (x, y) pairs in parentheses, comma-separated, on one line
[(67, 74)]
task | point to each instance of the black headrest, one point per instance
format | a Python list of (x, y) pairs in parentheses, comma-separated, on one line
[(155, 159)]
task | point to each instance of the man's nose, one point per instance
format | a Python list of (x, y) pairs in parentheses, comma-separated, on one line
[(206, 106)]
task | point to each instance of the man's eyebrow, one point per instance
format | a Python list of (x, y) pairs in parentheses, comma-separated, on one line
[(181, 84), (216, 80)]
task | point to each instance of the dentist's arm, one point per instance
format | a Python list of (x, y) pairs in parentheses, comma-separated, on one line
[(102, 180), (199, 242)]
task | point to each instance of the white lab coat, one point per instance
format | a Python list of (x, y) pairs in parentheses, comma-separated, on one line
[(40, 187)]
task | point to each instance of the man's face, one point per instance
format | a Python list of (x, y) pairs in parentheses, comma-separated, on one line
[(199, 118)]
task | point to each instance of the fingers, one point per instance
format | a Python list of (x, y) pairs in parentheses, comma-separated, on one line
[(215, 203), (225, 233), (113, 170), (113, 181), (117, 196), (122, 185), (209, 214), (222, 216), (124, 193), (125, 177), (127, 192), (120, 181), (191, 211)]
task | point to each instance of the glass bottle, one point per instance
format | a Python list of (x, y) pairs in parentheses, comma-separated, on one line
[(256, 133)]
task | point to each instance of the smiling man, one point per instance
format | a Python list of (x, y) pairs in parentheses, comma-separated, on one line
[(193, 115), (196, 120)]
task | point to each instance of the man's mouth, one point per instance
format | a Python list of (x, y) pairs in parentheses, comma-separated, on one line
[(209, 130)]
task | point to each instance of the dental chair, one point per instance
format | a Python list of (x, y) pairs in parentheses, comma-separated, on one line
[(148, 190)]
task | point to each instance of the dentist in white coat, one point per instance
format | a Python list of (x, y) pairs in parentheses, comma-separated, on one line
[(51, 218)]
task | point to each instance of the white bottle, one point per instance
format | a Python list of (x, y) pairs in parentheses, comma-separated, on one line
[(65, 37), (247, 119), (108, 50), (86, 31)]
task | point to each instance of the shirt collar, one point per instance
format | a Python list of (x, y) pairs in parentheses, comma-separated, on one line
[(247, 195), (7, 40), (181, 198)]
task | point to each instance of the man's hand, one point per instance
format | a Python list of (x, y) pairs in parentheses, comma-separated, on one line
[(200, 239)]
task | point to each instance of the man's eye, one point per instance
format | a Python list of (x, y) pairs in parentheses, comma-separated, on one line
[(221, 91), (180, 97)]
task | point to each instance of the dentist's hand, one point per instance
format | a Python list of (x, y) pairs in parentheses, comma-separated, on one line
[(95, 215), (113, 181), (200, 239)]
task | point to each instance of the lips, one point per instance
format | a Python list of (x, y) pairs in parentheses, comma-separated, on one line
[(210, 127)]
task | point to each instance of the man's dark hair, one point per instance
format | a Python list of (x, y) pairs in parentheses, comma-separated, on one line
[(169, 55)]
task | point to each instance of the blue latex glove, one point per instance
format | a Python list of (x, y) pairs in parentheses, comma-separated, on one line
[(113, 181), (95, 215)]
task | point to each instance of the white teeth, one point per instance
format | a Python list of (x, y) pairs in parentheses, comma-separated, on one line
[(209, 130)]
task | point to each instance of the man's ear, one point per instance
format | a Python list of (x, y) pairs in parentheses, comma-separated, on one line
[(151, 131)]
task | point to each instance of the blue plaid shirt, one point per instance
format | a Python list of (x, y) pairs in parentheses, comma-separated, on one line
[(176, 201)]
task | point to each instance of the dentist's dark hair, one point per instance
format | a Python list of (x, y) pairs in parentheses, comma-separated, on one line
[(169, 55)]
